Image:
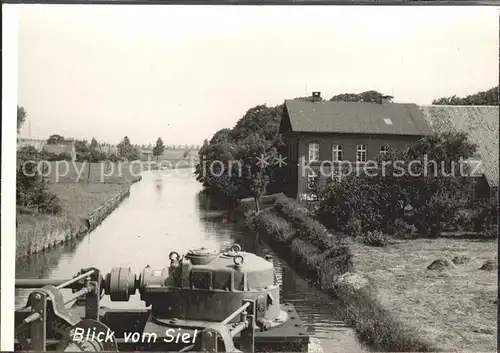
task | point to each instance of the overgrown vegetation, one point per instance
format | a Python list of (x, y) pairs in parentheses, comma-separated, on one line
[(229, 162), (426, 196), (32, 193), (303, 240), (325, 258)]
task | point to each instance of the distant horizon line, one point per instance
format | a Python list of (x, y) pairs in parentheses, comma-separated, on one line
[(113, 144)]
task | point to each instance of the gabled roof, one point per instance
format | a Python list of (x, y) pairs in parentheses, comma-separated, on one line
[(356, 118), (479, 122)]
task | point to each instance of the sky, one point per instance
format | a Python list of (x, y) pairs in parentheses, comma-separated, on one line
[(183, 72)]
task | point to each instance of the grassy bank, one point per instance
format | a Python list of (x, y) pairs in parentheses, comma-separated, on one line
[(390, 298), (105, 172), (80, 193)]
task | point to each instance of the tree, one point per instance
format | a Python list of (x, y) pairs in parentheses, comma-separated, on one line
[(93, 143), (489, 97), (82, 150), (229, 161), (55, 139), (367, 96), (21, 117), (158, 148), (128, 151), (31, 188)]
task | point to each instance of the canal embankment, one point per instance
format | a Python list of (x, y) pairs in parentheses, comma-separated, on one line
[(329, 259), (87, 195)]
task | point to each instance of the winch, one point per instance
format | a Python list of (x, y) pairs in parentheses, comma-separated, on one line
[(205, 301)]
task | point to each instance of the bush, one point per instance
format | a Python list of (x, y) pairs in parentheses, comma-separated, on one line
[(402, 229), (320, 253), (465, 220), (354, 197), (274, 227), (491, 232), (291, 210), (32, 191), (375, 238), (250, 219), (485, 215)]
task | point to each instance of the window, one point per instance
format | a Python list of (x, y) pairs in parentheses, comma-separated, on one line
[(388, 121), (336, 153), (313, 152), (312, 179), (384, 149), (361, 153)]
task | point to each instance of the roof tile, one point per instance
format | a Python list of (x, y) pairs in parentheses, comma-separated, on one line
[(481, 125), (356, 117)]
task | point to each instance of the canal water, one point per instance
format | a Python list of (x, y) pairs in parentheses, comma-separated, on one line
[(167, 212)]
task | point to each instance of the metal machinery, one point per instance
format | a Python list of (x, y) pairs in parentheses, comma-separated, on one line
[(204, 301)]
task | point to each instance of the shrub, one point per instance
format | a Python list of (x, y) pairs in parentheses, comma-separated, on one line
[(291, 210), (353, 197), (379, 200), (491, 232), (278, 229), (465, 220), (402, 229), (32, 191), (485, 215), (375, 238), (249, 219), (307, 255)]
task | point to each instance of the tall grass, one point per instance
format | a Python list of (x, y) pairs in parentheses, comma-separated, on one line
[(36, 231), (83, 172), (309, 248)]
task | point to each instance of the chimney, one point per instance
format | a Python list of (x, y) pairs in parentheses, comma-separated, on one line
[(316, 96)]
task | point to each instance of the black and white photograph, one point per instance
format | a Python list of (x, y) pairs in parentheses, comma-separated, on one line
[(234, 178)]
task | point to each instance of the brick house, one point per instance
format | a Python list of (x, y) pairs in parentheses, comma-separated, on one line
[(332, 134), (481, 125)]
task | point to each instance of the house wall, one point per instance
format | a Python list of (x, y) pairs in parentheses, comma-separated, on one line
[(298, 145)]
